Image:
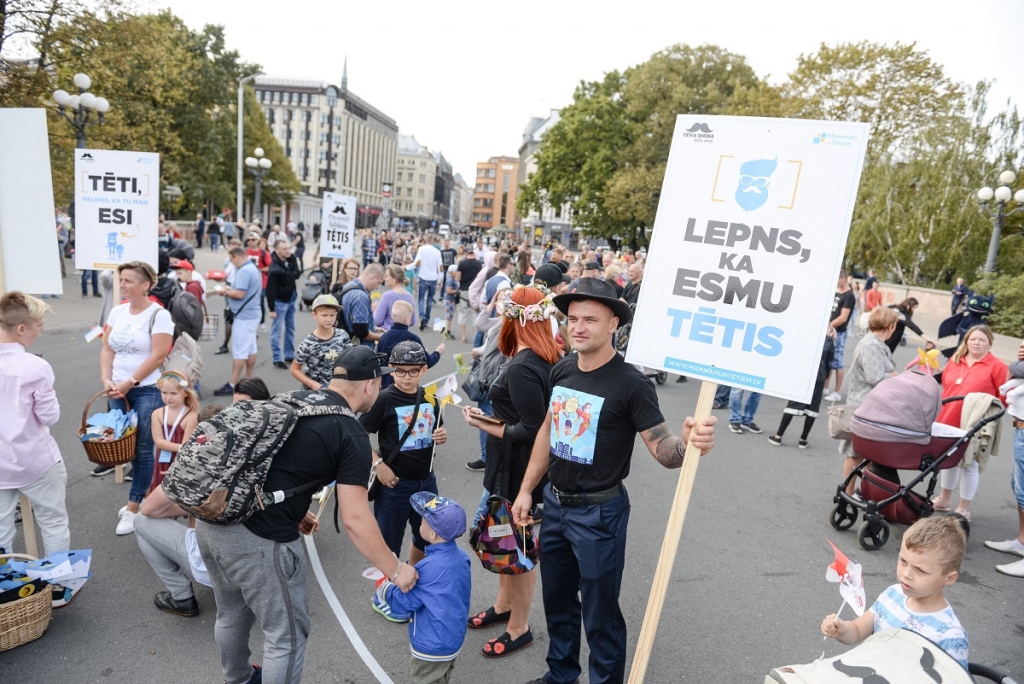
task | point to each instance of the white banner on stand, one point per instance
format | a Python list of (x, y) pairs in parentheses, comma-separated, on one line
[(338, 227)]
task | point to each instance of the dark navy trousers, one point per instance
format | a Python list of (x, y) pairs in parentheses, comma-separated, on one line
[(583, 552)]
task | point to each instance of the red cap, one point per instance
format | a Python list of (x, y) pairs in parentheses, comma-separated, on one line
[(184, 265)]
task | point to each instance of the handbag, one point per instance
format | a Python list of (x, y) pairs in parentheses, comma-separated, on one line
[(471, 386), (229, 315), (840, 421), (374, 485), (502, 547)]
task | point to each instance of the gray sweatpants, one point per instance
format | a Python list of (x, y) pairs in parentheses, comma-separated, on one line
[(162, 542), (254, 578)]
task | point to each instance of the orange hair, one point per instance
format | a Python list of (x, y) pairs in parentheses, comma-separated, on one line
[(536, 335)]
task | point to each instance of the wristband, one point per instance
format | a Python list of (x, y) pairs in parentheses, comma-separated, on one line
[(679, 448), (376, 463), (135, 383), (398, 570)]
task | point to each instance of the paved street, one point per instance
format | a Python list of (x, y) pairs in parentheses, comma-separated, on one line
[(748, 590)]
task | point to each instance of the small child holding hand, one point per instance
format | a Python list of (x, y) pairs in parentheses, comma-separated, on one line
[(929, 560), (439, 602), (172, 423)]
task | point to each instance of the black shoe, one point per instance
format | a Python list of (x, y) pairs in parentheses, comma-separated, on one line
[(718, 405), (226, 391), (222, 350), (289, 361), (541, 680), (681, 378), (280, 364), (257, 675), (101, 470), (751, 427), (476, 466), (423, 325), (97, 294), (736, 427), (187, 608)]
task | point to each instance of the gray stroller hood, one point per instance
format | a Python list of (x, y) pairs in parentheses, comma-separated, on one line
[(899, 409)]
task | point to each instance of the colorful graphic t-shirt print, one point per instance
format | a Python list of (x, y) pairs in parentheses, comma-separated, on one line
[(574, 419), (422, 435)]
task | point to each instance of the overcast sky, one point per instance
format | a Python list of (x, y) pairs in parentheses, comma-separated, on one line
[(465, 77)]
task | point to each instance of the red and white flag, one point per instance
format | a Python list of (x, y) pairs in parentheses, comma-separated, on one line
[(848, 576)]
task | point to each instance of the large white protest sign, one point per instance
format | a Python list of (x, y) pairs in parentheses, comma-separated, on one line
[(117, 198), (29, 253), (338, 227), (746, 249)]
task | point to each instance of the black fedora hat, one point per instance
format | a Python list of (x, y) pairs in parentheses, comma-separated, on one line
[(595, 290)]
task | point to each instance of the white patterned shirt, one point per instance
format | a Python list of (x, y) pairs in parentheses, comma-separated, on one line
[(942, 627)]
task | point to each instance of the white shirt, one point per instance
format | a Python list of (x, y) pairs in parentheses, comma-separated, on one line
[(429, 257), (130, 340)]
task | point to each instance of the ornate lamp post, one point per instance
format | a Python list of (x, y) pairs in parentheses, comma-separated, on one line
[(1002, 196), (82, 107), (259, 166)]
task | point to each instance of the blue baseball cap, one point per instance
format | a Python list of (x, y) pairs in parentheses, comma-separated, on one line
[(445, 516)]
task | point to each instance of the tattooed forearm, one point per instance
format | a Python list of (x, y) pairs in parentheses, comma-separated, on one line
[(664, 446)]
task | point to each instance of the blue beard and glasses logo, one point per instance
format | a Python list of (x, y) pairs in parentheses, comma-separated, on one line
[(755, 178)]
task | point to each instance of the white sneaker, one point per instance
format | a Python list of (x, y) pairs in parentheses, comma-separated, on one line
[(263, 327), (121, 511), (127, 524), (1011, 546), (833, 396), (1015, 569)]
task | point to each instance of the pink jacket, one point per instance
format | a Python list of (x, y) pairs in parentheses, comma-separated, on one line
[(28, 404)]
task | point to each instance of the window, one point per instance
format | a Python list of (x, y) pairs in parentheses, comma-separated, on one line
[(323, 137), (421, 193), (312, 100), (323, 155), (504, 184), (259, 95), (337, 121), (323, 119), (419, 206), (506, 167), (489, 187), (304, 99), (491, 173), (336, 139), (408, 192), (276, 97), (480, 173)]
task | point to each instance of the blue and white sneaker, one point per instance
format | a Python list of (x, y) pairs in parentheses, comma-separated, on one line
[(381, 606)]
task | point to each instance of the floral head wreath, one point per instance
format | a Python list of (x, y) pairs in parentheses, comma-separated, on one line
[(541, 311), (175, 376)]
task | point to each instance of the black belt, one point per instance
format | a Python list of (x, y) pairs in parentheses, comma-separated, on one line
[(581, 499)]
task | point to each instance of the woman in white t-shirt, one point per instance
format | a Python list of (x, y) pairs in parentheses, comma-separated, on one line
[(136, 340)]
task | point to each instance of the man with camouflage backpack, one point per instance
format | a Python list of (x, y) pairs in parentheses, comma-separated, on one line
[(258, 568)]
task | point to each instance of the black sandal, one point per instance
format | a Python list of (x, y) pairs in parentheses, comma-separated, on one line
[(488, 618), (505, 645)]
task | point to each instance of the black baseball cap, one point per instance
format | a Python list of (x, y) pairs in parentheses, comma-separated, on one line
[(591, 266), (409, 353), (550, 275), (360, 363)]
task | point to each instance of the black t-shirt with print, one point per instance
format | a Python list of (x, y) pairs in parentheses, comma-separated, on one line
[(390, 417), (468, 270), (595, 418), (448, 257), (846, 300), (319, 448)]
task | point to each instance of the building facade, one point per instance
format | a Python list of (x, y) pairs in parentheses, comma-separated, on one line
[(494, 195), (462, 202), (335, 141), (415, 179), (550, 222)]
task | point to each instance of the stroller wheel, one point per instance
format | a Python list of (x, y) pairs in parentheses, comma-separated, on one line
[(843, 516), (873, 539)]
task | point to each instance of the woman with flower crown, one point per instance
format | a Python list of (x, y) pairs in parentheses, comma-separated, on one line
[(519, 396)]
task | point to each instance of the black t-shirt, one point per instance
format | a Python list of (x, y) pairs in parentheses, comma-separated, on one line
[(519, 396), (846, 300), (902, 323), (595, 417), (448, 257), (319, 448), (468, 268), (390, 417)]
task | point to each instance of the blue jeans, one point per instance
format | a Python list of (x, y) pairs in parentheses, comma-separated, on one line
[(1017, 474), (488, 410), (584, 555), (427, 290), (214, 242), (737, 412), (722, 394), (285, 318), (478, 339), (393, 511), (481, 510), (144, 400), (95, 282)]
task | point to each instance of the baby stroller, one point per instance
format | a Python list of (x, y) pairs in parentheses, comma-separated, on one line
[(893, 430), (318, 282), (898, 656)]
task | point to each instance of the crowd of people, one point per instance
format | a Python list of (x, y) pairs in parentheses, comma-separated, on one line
[(557, 416)]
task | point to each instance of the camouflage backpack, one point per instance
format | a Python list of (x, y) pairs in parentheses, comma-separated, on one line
[(219, 472)]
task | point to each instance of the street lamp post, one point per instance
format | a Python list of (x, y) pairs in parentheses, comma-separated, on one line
[(241, 111), (1002, 195), (82, 107), (259, 166)]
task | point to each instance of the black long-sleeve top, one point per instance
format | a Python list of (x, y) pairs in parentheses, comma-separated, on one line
[(281, 279)]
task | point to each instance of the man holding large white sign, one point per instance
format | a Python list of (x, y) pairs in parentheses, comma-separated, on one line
[(338, 225), (748, 241), (117, 208)]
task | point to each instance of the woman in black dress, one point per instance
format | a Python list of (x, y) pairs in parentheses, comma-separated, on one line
[(520, 397)]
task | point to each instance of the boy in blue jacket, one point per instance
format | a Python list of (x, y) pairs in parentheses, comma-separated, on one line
[(439, 603)]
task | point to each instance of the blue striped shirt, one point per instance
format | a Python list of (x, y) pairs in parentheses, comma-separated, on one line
[(942, 627)]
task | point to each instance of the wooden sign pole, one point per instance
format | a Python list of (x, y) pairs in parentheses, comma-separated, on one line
[(334, 272), (670, 544), (115, 299)]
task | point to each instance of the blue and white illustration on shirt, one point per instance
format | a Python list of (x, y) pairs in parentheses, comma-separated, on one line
[(422, 435), (575, 416)]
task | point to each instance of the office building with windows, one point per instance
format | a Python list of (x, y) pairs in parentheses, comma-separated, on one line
[(494, 196), (550, 222), (335, 141)]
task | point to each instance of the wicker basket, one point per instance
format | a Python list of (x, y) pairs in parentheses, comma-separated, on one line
[(115, 453), (211, 326), (26, 619)]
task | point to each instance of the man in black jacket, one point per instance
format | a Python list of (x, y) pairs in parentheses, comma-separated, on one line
[(281, 300)]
